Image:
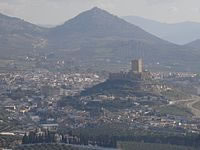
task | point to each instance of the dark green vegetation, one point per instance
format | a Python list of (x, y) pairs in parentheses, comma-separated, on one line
[(148, 146), (51, 147), (118, 132), (94, 39), (71, 138), (47, 137), (108, 135)]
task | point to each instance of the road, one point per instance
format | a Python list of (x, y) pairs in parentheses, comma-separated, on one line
[(194, 110), (189, 103)]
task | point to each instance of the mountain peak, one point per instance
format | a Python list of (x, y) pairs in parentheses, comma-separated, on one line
[(96, 12), (96, 9), (99, 23)]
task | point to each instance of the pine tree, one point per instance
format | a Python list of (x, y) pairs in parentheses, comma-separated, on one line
[(25, 139)]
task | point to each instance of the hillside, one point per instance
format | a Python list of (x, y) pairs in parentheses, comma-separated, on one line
[(122, 88), (194, 44), (179, 33), (119, 88), (18, 37), (97, 40), (14, 25), (97, 23)]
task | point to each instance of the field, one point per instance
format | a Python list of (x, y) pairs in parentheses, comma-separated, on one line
[(175, 110), (148, 146)]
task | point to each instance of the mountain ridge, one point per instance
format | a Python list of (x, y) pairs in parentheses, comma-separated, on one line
[(179, 33), (98, 29), (96, 39), (97, 20), (194, 44), (18, 37)]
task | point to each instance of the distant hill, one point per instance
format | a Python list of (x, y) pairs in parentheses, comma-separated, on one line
[(95, 39), (14, 25), (194, 44), (18, 37), (119, 88), (133, 88), (98, 38), (97, 23), (179, 33), (97, 29)]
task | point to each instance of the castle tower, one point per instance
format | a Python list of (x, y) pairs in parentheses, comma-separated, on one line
[(137, 66)]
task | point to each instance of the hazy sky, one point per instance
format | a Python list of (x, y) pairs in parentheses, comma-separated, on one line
[(58, 11)]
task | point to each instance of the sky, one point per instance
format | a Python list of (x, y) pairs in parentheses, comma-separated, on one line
[(53, 12)]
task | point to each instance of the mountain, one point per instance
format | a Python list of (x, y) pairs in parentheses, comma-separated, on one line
[(102, 40), (18, 37), (179, 33), (97, 24), (97, 40), (194, 44), (14, 25)]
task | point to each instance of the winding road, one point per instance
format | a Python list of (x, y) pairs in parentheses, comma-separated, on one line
[(189, 103), (194, 110)]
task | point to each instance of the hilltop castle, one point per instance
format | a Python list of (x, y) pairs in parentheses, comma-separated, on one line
[(136, 73)]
